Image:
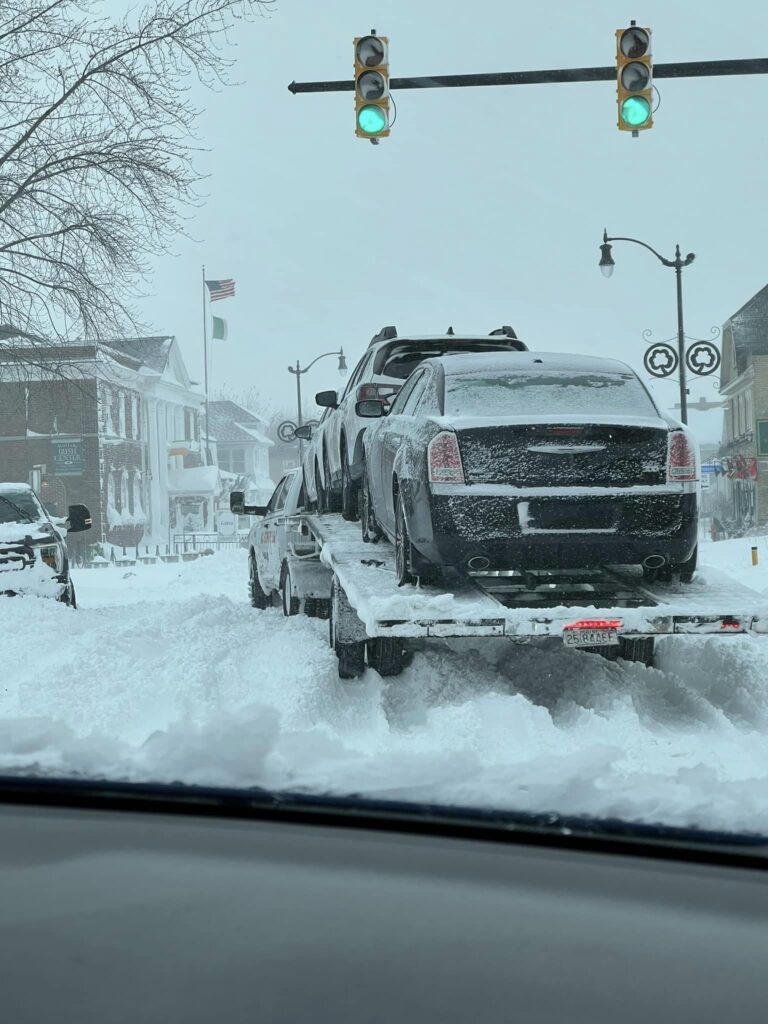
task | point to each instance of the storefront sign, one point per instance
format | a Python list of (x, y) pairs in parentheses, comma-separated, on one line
[(67, 457)]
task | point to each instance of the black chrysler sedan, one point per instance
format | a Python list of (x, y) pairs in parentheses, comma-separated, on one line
[(529, 461)]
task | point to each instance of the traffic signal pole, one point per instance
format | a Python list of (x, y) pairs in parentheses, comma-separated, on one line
[(689, 69)]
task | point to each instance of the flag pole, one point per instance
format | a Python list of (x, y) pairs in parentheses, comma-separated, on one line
[(205, 358)]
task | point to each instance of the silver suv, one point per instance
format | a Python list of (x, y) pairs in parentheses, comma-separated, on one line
[(334, 460)]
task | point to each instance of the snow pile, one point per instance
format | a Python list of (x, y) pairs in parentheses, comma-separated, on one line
[(165, 673)]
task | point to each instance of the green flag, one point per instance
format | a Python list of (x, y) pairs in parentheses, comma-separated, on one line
[(219, 329)]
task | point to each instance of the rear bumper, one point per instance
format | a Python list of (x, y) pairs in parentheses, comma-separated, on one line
[(570, 528)]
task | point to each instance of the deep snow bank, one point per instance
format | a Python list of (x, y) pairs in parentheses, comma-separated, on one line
[(168, 674)]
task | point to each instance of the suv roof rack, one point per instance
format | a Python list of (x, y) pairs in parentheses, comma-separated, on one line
[(506, 331), (385, 334)]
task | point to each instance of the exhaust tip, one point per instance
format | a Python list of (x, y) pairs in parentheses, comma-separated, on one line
[(654, 561), (478, 563)]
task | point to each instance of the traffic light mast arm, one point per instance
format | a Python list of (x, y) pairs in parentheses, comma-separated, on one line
[(689, 69)]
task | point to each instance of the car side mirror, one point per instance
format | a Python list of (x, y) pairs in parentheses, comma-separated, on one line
[(78, 519), (327, 399), (304, 433), (255, 510), (236, 500), (370, 409)]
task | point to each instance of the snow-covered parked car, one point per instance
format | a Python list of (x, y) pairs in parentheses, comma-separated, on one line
[(529, 461), (281, 551), (33, 551), (333, 462)]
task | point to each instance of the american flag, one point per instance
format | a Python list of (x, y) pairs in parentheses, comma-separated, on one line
[(221, 289)]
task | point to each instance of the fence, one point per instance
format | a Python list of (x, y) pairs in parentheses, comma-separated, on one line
[(205, 541)]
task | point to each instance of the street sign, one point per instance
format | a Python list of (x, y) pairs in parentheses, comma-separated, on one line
[(227, 524), (660, 360), (67, 457), (708, 467)]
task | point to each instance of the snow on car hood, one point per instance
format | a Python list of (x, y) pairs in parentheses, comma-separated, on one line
[(16, 533)]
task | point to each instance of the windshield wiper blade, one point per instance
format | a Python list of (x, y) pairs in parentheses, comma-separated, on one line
[(12, 504)]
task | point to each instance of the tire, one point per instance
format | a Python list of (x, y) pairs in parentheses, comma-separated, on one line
[(371, 530), (350, 655), (259, 599), (332, 498), (320, 502), (409, 565), (687, 569), (291, 605), (68, 596), (349, 492), (386, 655), (637, 648)]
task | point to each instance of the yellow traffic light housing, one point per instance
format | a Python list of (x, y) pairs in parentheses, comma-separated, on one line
[(371, 87), (634, 79)]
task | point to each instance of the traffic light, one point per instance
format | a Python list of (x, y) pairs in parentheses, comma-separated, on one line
[(371, 87), (634, 79)]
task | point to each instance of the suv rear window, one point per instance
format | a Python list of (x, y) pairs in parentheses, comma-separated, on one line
[(401, 358), (543, 393)]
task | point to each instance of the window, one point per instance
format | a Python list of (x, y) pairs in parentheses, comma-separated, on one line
[(277, 501), (557, 391), (416, 394), (360, 370), (399, 403), (127, 415)]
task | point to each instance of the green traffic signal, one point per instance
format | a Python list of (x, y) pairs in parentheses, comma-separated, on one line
[(371, 119), (635, 111)]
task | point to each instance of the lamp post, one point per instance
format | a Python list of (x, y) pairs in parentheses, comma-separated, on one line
[(606, 266), (298, 370)]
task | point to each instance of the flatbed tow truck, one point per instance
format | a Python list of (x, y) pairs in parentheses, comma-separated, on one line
[(612, 611)]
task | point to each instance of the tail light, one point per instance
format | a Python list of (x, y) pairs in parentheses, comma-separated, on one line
[(444, 459), (383, 392), (681, 458), (594, 624)]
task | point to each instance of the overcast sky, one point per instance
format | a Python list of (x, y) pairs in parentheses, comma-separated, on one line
[(485, 206)]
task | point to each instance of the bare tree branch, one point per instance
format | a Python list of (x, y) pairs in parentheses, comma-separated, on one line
[(97, 147)]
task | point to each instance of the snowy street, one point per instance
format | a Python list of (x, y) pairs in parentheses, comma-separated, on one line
[(166, 673)]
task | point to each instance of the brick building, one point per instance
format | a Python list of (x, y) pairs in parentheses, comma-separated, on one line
[(743, 455), (115, 425)]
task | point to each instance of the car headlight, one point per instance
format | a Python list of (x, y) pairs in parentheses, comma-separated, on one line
[(51, 555)]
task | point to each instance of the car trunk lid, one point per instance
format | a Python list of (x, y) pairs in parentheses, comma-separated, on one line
[(575, 454)]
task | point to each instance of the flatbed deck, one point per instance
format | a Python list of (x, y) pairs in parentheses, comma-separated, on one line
[(529, 604)]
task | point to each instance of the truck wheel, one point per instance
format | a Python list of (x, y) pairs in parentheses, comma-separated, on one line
[(637, 648), (349, 652), (385, 654), (349, 492), (291, 604), (258, 598), (67, 595)]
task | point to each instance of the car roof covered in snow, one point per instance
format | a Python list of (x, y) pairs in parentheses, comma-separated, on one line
[(13, 487), (494, 362)]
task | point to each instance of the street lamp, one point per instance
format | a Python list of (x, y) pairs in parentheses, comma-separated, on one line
[(606, 267), (298, 370)]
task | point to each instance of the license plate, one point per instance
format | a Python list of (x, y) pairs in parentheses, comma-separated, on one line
[(590, 637)]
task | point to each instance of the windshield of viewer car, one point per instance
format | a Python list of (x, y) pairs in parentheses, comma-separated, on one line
[(493, 394)]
